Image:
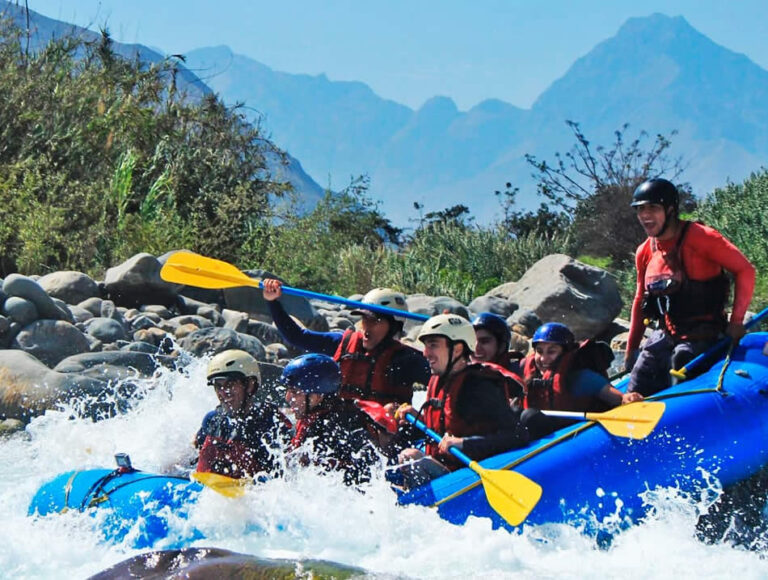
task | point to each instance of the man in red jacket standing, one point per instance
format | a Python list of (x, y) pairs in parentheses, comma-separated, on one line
[(681, 287)]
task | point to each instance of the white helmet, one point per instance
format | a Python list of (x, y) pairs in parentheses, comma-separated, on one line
[(234, 361), (384, 297), (451, 326)]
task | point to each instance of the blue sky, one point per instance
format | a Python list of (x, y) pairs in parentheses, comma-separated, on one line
[(411, 50)]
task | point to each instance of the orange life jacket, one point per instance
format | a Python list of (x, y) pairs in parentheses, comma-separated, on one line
[(440, 406), (366, 374), (547, 391)]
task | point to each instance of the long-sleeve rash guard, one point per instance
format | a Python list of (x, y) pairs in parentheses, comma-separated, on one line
[(705, 253)]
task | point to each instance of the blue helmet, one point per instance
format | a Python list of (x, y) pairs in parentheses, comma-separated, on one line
[(494, 324), (312, 373), (553, 332)]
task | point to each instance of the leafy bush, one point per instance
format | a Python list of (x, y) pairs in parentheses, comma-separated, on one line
[(102, 158), (738, 211)]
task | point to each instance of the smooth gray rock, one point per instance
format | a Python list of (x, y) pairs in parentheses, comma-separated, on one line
[(206, 563), (20, 310), (79, 314), (143, 363), (157, 309), (209, 341), (139, 347), (525, 318), (137, 281), (92, 305), (237, 321), (494, 304), (106, 329), (211, 313), (28, 388), (24, 287), (51, 341), (560, 289), (69, 286)]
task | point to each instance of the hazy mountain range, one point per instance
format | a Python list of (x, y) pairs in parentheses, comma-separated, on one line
[(657, 73)]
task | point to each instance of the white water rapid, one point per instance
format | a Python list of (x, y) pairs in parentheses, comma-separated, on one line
[(313, 516)]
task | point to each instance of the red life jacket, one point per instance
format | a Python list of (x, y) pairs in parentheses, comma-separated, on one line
[(687, 308), (440, 407), (547, 391), (227, 457), (366, 374)]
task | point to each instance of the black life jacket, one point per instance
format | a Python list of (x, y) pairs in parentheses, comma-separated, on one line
[(686, 308)]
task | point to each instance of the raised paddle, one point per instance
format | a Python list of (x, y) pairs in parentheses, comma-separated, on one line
[(226, 486), (203, 272), (682, 373), (634, 421), (510, 494)]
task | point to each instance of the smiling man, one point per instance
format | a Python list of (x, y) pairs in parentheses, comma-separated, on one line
[(467, 403), (239, 438), (681, 288), (375, 365)]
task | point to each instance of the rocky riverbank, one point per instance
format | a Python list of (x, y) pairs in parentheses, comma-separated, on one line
[(66, 336)]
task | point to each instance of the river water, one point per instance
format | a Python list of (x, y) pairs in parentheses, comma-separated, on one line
[(313, 516)]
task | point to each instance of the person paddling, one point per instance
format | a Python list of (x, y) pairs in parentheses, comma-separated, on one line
[(681, 288), (329, 433), (466, 402), (563, 375), (240, 437), (375, 365)]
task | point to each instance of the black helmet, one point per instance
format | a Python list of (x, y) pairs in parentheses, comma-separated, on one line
[(656, 190), (496, 325)]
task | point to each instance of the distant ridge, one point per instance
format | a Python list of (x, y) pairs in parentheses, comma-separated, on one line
[(658, 73)]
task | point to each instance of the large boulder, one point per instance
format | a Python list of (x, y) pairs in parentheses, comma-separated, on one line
[(69, 286), (28, 388), (137, 281), (204, 563), (558, 288), (51, 341)]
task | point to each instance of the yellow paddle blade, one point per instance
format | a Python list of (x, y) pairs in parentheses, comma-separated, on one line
[(635, 421), (226, 486), (203, 272), (510, 494)]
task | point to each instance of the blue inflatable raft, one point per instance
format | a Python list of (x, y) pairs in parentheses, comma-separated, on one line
[(713, 425), (135, 506)]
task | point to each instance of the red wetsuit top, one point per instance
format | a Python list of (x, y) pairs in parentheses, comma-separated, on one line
[(705, 253)]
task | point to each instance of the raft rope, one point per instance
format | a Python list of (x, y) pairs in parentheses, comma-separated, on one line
[(98, 494)]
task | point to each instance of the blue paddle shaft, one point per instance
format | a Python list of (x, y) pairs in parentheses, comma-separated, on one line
[(458, 453), (721, 344), (353, 303)]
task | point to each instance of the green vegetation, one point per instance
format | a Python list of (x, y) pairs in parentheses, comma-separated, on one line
[(102, 158), (738, 211)]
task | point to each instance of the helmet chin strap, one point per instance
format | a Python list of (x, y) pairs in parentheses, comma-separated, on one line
[(667, 217), (451, 361)]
